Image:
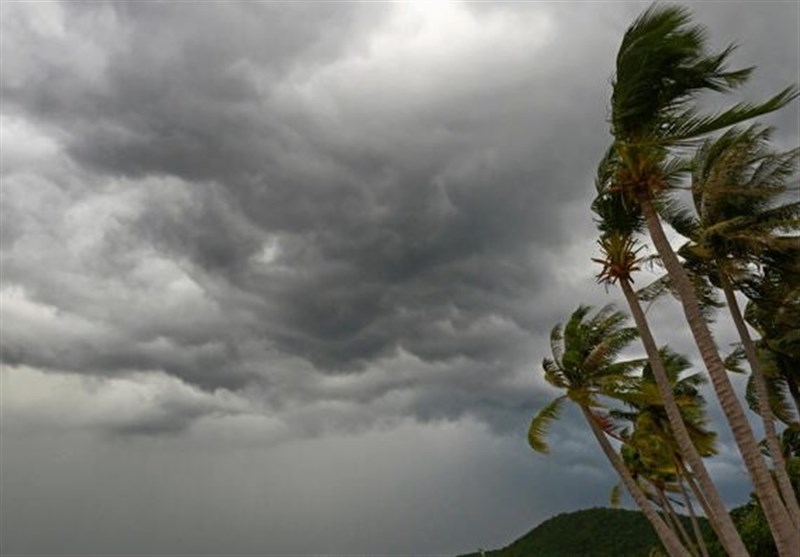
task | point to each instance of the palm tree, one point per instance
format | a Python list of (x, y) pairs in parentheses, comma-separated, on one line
[(656, 479), (661, 67), (618, 221), (737, 187), (651, 440), (584, 365)]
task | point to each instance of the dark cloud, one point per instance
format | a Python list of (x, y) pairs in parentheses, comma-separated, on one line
[(353, 221), (335, 189)]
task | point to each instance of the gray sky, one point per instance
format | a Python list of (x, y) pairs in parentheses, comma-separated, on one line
[(277, 277)]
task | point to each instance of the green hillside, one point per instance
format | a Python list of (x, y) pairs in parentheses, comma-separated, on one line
[(594, 532)]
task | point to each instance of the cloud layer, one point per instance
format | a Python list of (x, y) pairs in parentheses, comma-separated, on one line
[(207, 207), (266, 224)]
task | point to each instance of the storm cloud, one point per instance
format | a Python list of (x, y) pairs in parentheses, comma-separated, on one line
[(322, 197), (283, 224)]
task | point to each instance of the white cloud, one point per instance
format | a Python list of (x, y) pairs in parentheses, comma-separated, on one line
[(412, 64)]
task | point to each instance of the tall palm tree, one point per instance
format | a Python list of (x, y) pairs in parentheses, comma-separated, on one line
[(662, 65), (584, 365), (618, 221), (738, 185)]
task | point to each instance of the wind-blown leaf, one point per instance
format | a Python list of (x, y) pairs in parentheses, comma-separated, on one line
[(654, 290), (678, 216), (688, 125), (779, 402), (733, 361), (556, 339), (541, 423)]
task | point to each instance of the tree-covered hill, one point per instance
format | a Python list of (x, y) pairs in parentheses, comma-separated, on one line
[(594, 532)]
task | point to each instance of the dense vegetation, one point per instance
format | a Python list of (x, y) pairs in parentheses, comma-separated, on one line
[(586, 533), (718, 181)]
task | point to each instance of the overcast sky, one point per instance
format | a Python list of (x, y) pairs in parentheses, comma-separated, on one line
[(277, 278)]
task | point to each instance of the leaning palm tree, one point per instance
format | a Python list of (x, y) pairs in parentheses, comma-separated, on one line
[(618, 221), (656, 479), (660, 480), (738, 188), (661, 67), (650, 437), (584, 365)]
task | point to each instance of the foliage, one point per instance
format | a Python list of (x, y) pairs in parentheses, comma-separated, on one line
[(584, 364)]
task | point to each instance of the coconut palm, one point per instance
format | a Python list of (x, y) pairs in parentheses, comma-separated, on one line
[(662, 65), (656, 479), (651, 443), (584, 365), (618, 221), (738, 184), (647, 413)]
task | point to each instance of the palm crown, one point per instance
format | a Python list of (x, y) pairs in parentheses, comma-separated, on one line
[(584, 364)]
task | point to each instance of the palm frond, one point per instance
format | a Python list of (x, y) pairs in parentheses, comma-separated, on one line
[(733, 361), (654, 290), (661, 65), (537, 432), (553, 374), (679, 217), (688, 125), (778, 396), (556, 342)]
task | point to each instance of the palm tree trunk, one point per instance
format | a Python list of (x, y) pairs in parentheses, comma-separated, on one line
[(667, 536), (728, 536), (698, 534), (787, 537), (690, 481), (699, 496), (661, 509), (676, 520), (764, 408)]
